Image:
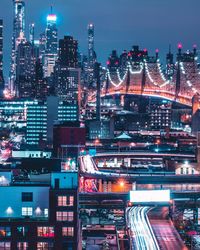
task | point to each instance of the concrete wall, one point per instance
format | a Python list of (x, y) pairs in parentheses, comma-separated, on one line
[(11, 200)]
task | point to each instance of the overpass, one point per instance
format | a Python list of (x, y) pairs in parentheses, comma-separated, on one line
[(146, 154), (120, 200)]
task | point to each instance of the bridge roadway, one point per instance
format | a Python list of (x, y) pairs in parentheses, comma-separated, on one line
[(146, 178), (146, 153), (119, 200), (89, 169)]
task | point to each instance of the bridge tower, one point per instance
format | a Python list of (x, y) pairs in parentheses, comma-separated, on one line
[(196, 113), (178, 74), (98, 93), (143, 79), (107, 84), (128, 80)]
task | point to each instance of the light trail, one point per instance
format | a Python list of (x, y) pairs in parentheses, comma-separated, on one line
[(142, 235)]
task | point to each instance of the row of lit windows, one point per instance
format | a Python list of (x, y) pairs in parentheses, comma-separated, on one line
[(65, 216), (39, 119), (65, 201), (37, 131)]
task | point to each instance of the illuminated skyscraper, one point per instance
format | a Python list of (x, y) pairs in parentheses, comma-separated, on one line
[(51, 45), (25, 69), (32, 33), (91, 53), (68, 52), (1, 57), (18, 31), (67, 73)]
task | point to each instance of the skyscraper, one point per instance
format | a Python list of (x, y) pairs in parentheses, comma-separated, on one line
[(91, 53), (51, 45), (66, 74), (68, 52), (18, 30), (32, 33), (25, 69), (1, 58)]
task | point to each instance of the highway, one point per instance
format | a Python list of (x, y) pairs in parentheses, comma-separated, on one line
[(164, 230), (144, 153), (142, 236), (89, 169)]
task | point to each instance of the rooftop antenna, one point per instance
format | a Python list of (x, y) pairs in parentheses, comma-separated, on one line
[(169, 48)]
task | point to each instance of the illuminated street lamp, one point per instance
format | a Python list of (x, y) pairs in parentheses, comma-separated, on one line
[(96, 142), (121, 183)]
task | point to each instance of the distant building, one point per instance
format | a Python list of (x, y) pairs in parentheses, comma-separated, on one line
[(91, 53), (101, 129), (1, 58), (25, 69), (51, 45), (160, 114), (68, 52), (18, 30), (68, 139), (32, 33), (41, 116), (13, 113)]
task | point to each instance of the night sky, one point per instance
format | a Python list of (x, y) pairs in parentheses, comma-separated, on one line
[(118, 23)]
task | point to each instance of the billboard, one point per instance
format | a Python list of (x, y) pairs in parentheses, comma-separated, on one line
[(145, 196)]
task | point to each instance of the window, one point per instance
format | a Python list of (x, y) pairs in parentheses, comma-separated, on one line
[(27, 196), (44, 246), (64, 216), (22, 245), (65, 201), (22, 231), (46, 212), (5, 232), (68, 231), (27, 211), (45, 232), (5, 245)]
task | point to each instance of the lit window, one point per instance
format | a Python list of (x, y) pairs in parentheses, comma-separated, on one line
[(65, 201), (64, 216), (5, 245), (45, 232), (44, 246), (27, 211), (68, 231), (22, 245), (5, 232), (46, 212)]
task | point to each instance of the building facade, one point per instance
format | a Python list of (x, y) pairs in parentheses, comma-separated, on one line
[(18, 30), (51, 45), (1, 58), (40, 216)]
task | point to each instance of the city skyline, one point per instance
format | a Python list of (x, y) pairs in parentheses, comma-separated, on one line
[(132, 29)]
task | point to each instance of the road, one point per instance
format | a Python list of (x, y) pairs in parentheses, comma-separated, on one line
[(165, 233), (142, 236)]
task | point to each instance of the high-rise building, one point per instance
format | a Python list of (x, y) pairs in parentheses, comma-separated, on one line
[(18, 30), (32, 33), (68, 52), (1, 58), (41, 87), (51, 45), (41, 116), (25, 70), (67, 73), (91, 53)]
